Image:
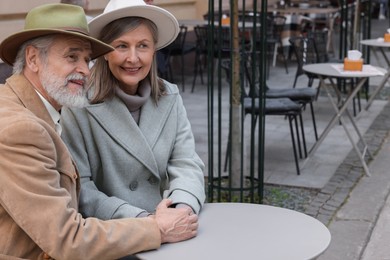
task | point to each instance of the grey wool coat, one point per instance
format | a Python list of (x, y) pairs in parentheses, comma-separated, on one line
[(125, 168)]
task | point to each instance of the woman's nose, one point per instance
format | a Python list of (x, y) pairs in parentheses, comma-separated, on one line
[(132, 55)]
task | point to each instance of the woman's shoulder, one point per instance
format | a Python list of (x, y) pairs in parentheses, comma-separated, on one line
[(170, 88)]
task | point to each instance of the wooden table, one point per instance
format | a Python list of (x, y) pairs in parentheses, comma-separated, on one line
[(331, 71), (249, 231)]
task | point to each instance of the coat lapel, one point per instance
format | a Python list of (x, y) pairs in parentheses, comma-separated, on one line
[(153, 117), (116, 120)]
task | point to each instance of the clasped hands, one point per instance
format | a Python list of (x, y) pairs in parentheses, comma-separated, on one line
[(175, 224)]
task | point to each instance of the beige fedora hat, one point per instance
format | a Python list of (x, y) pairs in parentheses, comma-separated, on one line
[(167, 25), (52, 19)]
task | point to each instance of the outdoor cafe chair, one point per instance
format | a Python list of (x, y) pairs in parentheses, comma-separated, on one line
[(201, 52), (251, 104), (305, 51), (221, 43), (180, 47), (275, 26), (302, 95)]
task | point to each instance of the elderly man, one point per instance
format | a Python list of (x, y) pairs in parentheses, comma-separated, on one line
[(39, 183)]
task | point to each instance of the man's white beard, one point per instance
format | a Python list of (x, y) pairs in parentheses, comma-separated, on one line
[(57, 89)]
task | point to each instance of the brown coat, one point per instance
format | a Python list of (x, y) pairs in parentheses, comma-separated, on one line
[(39, 188)]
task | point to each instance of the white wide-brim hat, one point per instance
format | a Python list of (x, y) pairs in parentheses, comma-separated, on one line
[(167, 25)]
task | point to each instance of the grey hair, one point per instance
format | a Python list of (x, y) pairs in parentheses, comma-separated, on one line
[(41, 43)]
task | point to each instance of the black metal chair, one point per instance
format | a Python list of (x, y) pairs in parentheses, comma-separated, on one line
[(201, 34), (251, 103), (275, 26), (305, 51), (180, 47), (302, 95), (305, 96)]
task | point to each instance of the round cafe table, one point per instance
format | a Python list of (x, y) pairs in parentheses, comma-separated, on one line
[(249, 231), (340, 103)]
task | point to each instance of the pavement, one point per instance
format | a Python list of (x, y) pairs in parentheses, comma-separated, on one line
[(355, 207)]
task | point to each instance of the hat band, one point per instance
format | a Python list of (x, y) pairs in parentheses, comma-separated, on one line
[(75, 29)]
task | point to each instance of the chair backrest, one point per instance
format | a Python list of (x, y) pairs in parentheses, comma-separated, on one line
[(305, 50), (275, 26), (320, 38), (201, 34), (177, 45), (222, 42), (247, 63)]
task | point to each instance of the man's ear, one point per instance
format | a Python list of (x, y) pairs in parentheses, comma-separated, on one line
[(32, 58)]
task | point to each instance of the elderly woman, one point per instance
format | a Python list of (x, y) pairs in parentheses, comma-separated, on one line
[(133, 144)]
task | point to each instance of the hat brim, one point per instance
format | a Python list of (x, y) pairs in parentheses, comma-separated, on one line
[(167, 25), (10, 46)]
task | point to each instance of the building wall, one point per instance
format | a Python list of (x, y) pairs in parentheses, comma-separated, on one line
[(12, 15)]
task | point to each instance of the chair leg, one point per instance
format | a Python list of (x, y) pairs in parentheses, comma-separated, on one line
[(290, 119), (275, 54), (303, 135), (313, 118), (295, 81), (227, 156), (197, 68), (195, 71), (201, 70), (298, 138), (284, 60)]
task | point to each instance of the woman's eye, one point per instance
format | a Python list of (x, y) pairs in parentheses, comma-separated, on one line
[(121, 46)]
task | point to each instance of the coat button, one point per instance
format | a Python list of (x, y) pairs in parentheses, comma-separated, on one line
[(152, 180), (133, 185)]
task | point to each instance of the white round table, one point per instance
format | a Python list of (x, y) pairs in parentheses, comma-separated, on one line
[(249, 231), (331, 71)]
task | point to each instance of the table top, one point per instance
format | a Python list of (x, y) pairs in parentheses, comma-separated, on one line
[(379, 42), (249, 231), (336, 70)]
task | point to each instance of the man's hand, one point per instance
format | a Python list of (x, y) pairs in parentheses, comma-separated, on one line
[(176, 224)]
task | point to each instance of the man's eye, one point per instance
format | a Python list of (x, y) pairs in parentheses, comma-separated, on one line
[(72, 57)]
